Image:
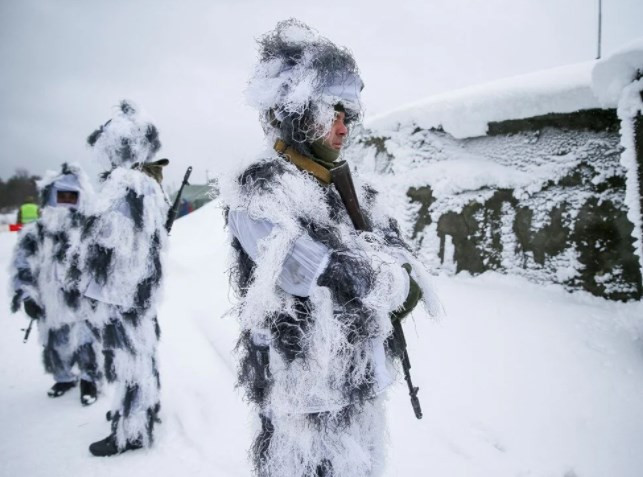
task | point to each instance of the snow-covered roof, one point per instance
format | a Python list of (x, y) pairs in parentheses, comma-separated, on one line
[(467, 112), (615, 72)]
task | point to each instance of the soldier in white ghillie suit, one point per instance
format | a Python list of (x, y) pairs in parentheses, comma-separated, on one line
[(123, 243), (46, 280), (317, 297)]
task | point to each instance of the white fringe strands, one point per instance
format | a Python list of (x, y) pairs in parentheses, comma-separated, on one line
[(123, 251), (302, 445), (321, 397), (299, 79), (126, 138), (129, 230), (46, 270)]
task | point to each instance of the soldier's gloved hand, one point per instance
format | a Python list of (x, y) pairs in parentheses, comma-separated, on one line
[(412, 299), (32, 309), (15, 301)]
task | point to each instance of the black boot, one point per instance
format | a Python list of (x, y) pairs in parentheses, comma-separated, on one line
[(59, 389), (88, 392), (107, 447)]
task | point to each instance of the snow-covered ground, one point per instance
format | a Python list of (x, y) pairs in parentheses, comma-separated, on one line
[(516, 380), (6, 219)]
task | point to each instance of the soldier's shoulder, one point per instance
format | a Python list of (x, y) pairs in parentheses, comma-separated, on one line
[(262, 173)]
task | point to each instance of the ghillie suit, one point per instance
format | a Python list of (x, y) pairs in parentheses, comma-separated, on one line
[(46, 278), (315, 295), (123, 242)]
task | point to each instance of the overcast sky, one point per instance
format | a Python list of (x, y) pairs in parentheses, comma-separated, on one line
[(64, 64)]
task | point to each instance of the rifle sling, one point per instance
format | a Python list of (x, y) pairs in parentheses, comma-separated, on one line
[(303, 163)]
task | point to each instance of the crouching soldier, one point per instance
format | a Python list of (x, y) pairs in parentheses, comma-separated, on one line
[(124, 240), (46, 281)]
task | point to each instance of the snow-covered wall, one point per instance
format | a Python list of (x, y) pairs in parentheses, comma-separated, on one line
[(467, 112), (530, 176)]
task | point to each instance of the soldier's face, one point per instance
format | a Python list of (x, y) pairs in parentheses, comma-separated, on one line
[(67, 197), (338, 132)]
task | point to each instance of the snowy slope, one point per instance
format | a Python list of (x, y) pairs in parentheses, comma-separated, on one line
[(516, 380)]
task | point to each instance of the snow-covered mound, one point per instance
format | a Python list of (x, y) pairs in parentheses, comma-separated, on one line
[(518, 379)]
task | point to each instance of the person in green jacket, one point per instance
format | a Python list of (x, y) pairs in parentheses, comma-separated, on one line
[(28, 212)]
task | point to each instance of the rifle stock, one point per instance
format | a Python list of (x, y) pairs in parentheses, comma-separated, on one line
[(343, 181)]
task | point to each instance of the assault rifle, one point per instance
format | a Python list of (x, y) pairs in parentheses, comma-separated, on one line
[(344, 184), (171, 214)]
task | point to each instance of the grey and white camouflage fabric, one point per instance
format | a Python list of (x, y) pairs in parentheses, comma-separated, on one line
[(315, 296), (124, 241), (315, 299), (45, 270)]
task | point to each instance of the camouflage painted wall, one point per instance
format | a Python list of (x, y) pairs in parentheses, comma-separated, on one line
[(556, 214)]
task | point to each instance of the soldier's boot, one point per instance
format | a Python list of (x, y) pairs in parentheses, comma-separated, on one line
[(107, 447), (88, 392), (59, 389)]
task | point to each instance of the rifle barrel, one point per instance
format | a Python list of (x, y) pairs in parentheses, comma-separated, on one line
[(171, 214), (398, 334), (28, 330)]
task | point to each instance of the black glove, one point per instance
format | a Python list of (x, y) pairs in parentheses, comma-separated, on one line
[(412, 299), (15, 301), (32, 309)]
